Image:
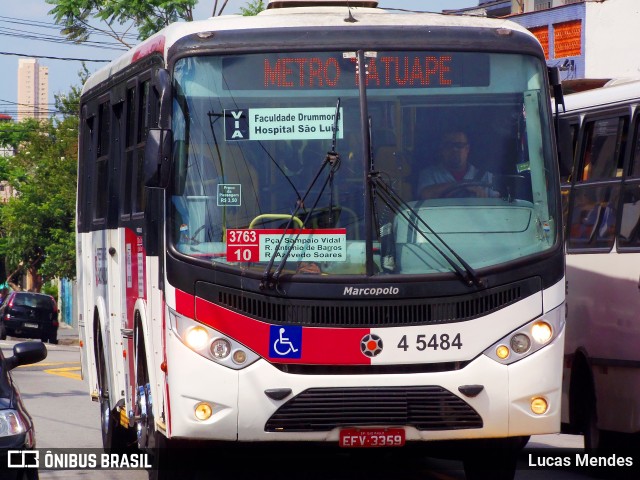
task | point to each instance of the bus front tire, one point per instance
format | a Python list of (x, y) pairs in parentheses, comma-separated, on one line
[(168, 459)]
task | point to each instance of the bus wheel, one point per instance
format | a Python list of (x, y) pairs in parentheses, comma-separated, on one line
[(493, 458), (145, 427), (165, 454), (595, 439), (115, 438), (589, 427)]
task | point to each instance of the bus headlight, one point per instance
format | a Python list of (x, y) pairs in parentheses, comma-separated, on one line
[(220, 348), (542, 332), (210, 343), (520, 343), (527, 339), (196, 338)]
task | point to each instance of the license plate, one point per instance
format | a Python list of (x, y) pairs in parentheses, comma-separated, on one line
[(371, 437), (30, 325)]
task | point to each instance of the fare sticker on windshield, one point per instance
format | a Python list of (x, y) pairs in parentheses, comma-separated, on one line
[(281, 124), (260, 245)]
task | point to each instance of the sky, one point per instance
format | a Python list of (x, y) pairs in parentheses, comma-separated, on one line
[(23, 18)]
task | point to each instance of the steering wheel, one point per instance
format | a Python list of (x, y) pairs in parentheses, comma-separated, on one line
[(454, 191)]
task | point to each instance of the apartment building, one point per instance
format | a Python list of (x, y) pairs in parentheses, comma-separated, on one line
[(33, 90)]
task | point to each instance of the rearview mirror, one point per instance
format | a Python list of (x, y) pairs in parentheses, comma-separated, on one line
[(157, 158), (26, 353)]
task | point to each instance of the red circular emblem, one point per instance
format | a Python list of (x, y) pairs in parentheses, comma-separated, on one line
[(371, 345)]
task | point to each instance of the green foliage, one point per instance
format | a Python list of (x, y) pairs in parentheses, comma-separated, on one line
[(253, 7), (76, 17), (13, 134), (51, 289), (37, 233), (147, 16)]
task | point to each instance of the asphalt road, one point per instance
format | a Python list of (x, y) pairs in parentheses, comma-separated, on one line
[(65, 416)]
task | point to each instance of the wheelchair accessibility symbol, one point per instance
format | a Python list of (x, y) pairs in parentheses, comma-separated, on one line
[(285, 342)]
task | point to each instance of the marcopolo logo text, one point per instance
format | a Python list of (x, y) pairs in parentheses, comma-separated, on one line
[(371, 291)]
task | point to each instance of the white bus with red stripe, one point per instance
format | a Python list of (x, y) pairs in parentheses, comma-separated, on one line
[(258, 260)]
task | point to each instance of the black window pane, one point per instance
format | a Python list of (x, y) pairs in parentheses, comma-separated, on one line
[(104, 128), (567, 149), (131, 116), (140, 191), (128, 182), (593, 217), (143, 111), (604, 149), (629, 235), (102, 180), (635, 153)]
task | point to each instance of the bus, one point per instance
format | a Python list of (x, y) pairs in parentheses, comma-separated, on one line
[(600, 181), (256, 262)]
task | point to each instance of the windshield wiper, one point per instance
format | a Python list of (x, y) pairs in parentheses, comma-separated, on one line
[(333, 160), (391, 198)]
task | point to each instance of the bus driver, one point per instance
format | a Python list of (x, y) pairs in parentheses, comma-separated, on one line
[(454, 168)]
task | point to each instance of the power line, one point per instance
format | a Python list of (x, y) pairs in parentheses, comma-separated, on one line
[(10, 32), (44, 36), (39, 24), (54, 58)]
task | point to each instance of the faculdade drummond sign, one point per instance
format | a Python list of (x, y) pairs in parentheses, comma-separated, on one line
[(281, 124)]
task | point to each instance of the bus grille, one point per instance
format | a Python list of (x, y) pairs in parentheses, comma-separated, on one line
[(423, 407), (373, 312)]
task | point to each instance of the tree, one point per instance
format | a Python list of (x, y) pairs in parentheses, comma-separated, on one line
[(12, 134), (37, 234), (120, 17), (253, 7)]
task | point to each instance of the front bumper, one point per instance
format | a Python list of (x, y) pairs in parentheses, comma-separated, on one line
[(241, 409)]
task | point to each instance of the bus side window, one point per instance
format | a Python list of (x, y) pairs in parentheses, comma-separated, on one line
[(603, 153), (593, 213), (635, 152), (130, 149), (101, 176), (593, 217), (567, 147), (629, 235), (85, 168)]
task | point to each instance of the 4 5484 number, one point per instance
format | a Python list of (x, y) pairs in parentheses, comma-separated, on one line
[(442, 341)]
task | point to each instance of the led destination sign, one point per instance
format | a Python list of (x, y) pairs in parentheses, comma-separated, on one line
[(299, 71)]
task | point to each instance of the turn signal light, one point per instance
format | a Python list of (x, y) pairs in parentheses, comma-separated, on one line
[(539, 405), (239, 357), (502, 352), (203, 411)]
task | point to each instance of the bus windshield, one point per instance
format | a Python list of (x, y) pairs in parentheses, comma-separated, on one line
[(457, 140)]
